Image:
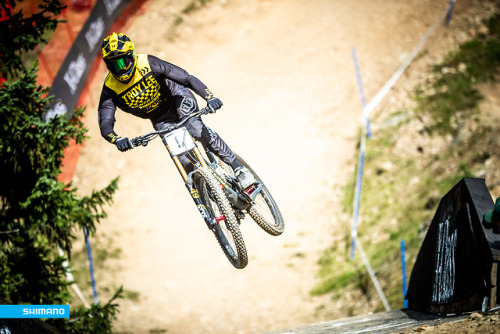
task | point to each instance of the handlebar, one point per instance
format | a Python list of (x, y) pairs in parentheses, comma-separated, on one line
[(145, 139)]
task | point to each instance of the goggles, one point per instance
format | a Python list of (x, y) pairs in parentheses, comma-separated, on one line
[(120, 65)]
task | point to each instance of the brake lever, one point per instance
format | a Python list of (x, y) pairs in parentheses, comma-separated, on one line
[(136, 142)]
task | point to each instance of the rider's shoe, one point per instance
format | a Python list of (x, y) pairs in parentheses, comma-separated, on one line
[(245, 177)]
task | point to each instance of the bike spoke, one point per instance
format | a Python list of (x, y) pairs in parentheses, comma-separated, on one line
[(263, 207)]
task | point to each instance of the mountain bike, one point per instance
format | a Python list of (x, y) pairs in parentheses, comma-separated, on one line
[(216, 191)]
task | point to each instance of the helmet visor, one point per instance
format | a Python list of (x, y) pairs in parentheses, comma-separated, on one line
[(120, 65)]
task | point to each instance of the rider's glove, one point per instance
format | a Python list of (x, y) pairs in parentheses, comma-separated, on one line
[(123, 144), (214, 104)]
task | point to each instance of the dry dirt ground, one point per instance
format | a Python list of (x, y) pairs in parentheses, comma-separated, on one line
[(476, 323), (284, 70)]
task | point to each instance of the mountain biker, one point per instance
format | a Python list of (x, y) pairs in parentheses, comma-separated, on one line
[(151, 88)]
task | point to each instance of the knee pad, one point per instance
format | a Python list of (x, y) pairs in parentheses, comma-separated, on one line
[(208, 134)]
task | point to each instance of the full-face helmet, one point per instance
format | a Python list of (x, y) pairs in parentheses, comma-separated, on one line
[(118, 53)]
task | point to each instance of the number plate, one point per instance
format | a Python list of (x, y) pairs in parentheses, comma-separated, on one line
[(179, 141)]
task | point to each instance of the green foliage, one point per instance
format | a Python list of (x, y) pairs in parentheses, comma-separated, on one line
[(453, 95), (24, 33), (195, 5), (335, 276), (192, 7), (38, 213), (95, 320)]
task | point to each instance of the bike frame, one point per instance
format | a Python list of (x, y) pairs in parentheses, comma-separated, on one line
[(178, 142), (213, 182)]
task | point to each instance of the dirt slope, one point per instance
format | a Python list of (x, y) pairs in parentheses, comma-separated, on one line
[(284, 71)]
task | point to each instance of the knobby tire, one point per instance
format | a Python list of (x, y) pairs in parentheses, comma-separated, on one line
[(227, 231)]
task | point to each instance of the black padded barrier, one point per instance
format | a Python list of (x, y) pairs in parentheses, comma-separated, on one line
[(452, 273)]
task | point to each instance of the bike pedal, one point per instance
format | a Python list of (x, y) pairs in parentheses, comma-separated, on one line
[(239, 215)]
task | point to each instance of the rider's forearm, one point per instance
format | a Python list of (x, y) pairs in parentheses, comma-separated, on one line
[(106, 121), (106, 116), (199, 88), (107, 132)]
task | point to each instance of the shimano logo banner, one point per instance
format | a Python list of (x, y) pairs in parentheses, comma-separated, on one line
[(34, 311)]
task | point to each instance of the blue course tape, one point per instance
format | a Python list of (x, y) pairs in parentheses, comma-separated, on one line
[(361, 162), (357, 195), (449, 13), (91, 266), (403, 270), (361, 89)]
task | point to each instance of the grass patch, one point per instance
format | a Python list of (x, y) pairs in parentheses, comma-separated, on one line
[(452, 95), (179, 19), (190, 9), (132, 295), (158, 330), (194, 6)]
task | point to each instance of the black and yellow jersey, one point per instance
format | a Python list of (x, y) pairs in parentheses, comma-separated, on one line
[(148, 94)]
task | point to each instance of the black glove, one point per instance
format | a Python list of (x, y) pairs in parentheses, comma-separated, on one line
[(124, 144), (214, 104)]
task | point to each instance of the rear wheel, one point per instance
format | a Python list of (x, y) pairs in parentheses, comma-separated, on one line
[(264, 211), (266, 214), (226, 229)]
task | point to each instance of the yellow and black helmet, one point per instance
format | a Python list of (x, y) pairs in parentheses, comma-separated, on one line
[(118, 53)]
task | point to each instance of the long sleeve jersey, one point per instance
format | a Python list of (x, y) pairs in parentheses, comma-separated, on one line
[(148, 94)]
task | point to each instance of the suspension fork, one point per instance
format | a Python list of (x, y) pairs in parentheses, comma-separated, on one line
[(178, 163), (188, 181), (210, 221)]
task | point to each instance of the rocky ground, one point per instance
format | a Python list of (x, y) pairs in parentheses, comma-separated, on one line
[(476, 323)]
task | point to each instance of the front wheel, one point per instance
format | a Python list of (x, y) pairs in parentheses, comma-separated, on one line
[(226, 229)]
